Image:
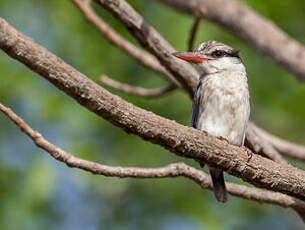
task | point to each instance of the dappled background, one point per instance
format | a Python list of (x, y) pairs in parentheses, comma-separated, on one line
[(37, 192)]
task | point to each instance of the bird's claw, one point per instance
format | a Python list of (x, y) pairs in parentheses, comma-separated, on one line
[(223, 139), (249, 152)]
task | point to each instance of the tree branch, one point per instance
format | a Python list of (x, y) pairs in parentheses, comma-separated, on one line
[(247, 24), (171, 170), (181, 140), (285, 147), (137, 91), (260, 145), (113, 37)]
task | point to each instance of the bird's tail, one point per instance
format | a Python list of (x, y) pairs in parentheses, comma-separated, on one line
[(220, 191)]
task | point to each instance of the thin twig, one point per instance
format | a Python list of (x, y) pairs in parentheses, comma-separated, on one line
[(141, 56), (197, 17), (136, 91), (171, 170)]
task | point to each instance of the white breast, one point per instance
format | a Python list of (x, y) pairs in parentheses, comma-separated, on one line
[(224, 106)]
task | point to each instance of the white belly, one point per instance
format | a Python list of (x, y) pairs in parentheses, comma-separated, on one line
[(224, 108)]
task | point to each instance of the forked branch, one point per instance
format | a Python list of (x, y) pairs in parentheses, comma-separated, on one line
[(285, 147)]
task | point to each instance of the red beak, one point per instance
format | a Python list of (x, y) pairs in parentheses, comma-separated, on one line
[(193, 57)]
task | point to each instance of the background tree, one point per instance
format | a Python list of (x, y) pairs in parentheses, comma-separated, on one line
[(36, 188)]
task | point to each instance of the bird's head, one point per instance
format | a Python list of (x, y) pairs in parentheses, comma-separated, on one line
[(212, 57)]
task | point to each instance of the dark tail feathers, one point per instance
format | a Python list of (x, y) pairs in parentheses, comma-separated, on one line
[(220, 191)]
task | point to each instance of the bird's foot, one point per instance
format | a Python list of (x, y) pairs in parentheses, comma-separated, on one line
[(223, 139), (249, 152)]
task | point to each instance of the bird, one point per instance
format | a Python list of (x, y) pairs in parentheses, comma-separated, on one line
[(221, 104)]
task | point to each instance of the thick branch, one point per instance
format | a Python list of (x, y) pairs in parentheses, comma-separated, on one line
[(181, 140), (137, 91), (142, 57), (171, 170), (247, 24)]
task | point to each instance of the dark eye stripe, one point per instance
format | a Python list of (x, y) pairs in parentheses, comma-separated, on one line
[(222, 53)]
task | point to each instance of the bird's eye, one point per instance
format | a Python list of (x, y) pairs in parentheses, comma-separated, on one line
[(218, 53)]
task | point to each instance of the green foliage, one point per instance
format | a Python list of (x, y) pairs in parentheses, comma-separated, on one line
[(38, 193)]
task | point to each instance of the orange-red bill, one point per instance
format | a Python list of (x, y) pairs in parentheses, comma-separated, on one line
[(192, 57)]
